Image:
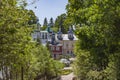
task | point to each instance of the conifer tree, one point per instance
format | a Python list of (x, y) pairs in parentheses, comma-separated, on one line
[(45, 24), (51, 22)]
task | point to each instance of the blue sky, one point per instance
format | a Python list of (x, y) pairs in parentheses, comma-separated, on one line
[(47, 8)]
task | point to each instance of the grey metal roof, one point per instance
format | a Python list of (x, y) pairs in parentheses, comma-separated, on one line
[(65, 37)]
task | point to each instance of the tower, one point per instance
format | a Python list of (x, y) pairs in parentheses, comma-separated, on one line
[(59, 35), (53, 41), (70, 34)]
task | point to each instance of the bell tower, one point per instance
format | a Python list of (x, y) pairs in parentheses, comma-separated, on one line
[(59, 35), (70, 34)]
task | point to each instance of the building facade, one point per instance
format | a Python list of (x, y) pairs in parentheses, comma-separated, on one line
[(56, 50), (59, 44), (68, 41)]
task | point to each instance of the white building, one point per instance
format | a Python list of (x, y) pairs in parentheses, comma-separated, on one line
[(43, 36)]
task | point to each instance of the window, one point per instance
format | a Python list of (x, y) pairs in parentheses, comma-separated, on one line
[(57, 48), (45, 35), (68, 52), (71, 52), (52, 48), (55, 56), (66, 45), (70, 35), (72, 45), (42, 36)]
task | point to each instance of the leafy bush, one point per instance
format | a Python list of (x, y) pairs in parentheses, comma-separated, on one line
[(66, 72)]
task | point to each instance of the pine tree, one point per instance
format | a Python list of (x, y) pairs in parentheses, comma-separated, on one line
[(51, 22), (45, 22)]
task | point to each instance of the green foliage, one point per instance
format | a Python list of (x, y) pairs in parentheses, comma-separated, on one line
[(15, 39), (51, 22), (92, 40), (45, 24), (43, 27), (19, 57), (99, 36), (82, 64), (60, 23), (55, 29), (66, 72)]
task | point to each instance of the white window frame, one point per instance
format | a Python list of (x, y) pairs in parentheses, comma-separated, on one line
[(52, 48), (57, 48)]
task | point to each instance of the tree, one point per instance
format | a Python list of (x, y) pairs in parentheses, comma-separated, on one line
[(45, 24), (59, 23), (15, 49), (51, 22), (20, 58), (98, 33), (33, 19), (44, 67), (15, 38)]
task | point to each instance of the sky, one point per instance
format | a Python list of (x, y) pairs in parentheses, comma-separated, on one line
[(47, 8)]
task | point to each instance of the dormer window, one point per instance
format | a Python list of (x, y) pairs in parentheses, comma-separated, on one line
[(53, 41), (70, 35), (59, 35)]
